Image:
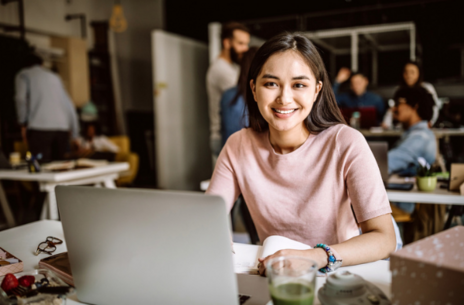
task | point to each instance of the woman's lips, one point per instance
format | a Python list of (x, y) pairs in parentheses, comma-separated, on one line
[(284, 113)]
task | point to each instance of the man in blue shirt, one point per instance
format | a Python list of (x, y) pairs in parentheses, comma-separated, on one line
[(413, 109), (358, 97)]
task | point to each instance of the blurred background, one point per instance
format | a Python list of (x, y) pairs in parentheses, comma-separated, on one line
[(137, 69)]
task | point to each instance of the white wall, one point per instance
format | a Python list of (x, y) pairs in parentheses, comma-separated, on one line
[(133, 49)]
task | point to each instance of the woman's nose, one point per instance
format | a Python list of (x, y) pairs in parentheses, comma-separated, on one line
[(286, 96)]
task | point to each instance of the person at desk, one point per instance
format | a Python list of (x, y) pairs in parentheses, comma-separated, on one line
[(413, 109), (46, 114), (299, 167), (358, 97)]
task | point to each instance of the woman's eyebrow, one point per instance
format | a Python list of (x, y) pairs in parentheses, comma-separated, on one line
[(270, 76), (301, 77)]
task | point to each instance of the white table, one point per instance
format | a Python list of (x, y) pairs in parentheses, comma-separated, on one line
[(439, 132), (22, 242), (98, 176), (438, 196)]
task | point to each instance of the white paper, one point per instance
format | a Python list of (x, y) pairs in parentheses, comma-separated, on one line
[(246, 256), (275, 243)]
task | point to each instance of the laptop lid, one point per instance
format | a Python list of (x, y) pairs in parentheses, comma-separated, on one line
[(129, 246), (380, 151)]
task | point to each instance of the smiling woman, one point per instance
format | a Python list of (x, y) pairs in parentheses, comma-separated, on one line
[(300, 169)]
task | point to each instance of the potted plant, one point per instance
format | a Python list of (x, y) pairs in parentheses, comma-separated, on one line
[(425, 179)]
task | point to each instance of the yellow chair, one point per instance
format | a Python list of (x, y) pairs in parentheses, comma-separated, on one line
[(399, 215), (125, 155), (21, 147)]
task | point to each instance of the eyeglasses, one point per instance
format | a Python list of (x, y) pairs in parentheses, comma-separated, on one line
[(48, 246)]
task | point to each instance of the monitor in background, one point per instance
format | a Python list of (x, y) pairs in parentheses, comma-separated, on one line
[(129, 246), (380, 152), (368, 116)]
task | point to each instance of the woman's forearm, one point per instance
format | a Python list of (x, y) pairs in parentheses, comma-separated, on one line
[(376, 243)]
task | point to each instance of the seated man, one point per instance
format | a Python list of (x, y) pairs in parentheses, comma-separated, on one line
[(359, 96), (413, 109)]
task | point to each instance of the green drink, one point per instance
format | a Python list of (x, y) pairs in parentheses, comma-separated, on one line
[(292, 294), (292, 280)]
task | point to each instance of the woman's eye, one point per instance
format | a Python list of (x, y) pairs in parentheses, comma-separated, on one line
[(299, 86), (270, 84)]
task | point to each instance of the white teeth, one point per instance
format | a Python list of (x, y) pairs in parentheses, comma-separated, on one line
[(284, 112)]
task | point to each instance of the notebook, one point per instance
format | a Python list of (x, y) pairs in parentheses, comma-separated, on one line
[(246, 256)]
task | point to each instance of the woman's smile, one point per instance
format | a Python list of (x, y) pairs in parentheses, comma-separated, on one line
[(284, 113)]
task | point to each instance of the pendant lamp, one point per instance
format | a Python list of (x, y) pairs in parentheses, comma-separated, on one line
[(118, 22)]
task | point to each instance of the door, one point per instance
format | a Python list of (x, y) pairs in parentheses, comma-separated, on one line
[(183, 155)]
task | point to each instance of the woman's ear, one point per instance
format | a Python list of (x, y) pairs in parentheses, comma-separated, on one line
[(253, 89), (318, 89)]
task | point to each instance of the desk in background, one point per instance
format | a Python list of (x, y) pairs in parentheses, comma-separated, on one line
[(22, 241), (98, 176), (439, 132)]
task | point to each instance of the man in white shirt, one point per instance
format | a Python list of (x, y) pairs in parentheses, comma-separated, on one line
[(223, 74)]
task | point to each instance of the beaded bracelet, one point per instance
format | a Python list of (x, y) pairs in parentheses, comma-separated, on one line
[(332, 262)]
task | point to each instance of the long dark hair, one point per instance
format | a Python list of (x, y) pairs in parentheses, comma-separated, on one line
[(325, 112), (419, 80), (243, 83)]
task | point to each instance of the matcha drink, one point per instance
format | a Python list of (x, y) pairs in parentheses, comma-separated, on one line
[(292, 280), (292, 294)]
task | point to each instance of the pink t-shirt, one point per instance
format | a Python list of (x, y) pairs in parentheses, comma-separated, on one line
[(305, 195)]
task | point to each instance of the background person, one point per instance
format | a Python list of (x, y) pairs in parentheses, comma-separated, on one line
[(45, 112), (93, 141), (233, 109), (222, 75), (358, 96), (413, 109), (413, 77), (299, 167)]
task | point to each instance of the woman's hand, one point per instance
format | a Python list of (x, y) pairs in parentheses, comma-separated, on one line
[(318, 255)]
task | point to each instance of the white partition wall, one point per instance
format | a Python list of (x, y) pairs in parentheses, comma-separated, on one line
[(181, 111)]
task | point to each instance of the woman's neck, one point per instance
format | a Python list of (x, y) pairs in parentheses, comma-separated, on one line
[(285, 142)]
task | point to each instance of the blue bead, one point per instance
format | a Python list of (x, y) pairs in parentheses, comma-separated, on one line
[(332, 259)]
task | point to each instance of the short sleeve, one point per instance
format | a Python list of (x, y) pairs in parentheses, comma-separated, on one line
[(362, 176), (224, 181)]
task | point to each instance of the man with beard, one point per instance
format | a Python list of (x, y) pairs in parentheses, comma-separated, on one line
[(223, 74)]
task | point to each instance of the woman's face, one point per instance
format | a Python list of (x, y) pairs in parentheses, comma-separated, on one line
[(411, 74), (285, 91)]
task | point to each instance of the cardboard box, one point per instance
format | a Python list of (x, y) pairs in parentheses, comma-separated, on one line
[(6, 267), (430, 271)]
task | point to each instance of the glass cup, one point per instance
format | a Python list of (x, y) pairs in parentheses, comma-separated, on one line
[(292, 280)]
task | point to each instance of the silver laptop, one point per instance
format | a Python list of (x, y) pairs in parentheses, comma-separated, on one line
[(131, 246), (380, 151)]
